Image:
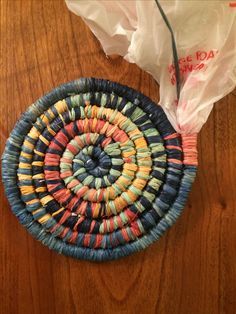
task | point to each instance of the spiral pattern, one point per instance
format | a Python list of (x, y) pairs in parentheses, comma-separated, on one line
[(94, 170)]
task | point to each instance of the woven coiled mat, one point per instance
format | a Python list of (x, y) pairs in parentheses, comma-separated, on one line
[(95, 170)]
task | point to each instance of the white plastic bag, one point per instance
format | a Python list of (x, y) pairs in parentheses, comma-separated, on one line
[(205, 34)]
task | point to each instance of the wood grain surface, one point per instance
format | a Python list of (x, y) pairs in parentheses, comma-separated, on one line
[(192, 269)]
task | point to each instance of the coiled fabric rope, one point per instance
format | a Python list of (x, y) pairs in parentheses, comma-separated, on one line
[(94, 170)]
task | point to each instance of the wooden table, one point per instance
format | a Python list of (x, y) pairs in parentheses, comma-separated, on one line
[(192, 269)]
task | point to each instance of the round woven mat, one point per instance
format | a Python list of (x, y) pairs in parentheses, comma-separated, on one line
[(94, 170)]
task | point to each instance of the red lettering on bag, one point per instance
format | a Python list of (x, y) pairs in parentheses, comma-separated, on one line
[(205, 55), (173, 79), (210, 55), (201, 55), (189, 67), (191, 63), (200, 66)]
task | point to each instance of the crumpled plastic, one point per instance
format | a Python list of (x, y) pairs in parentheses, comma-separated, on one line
[(205, 35)]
